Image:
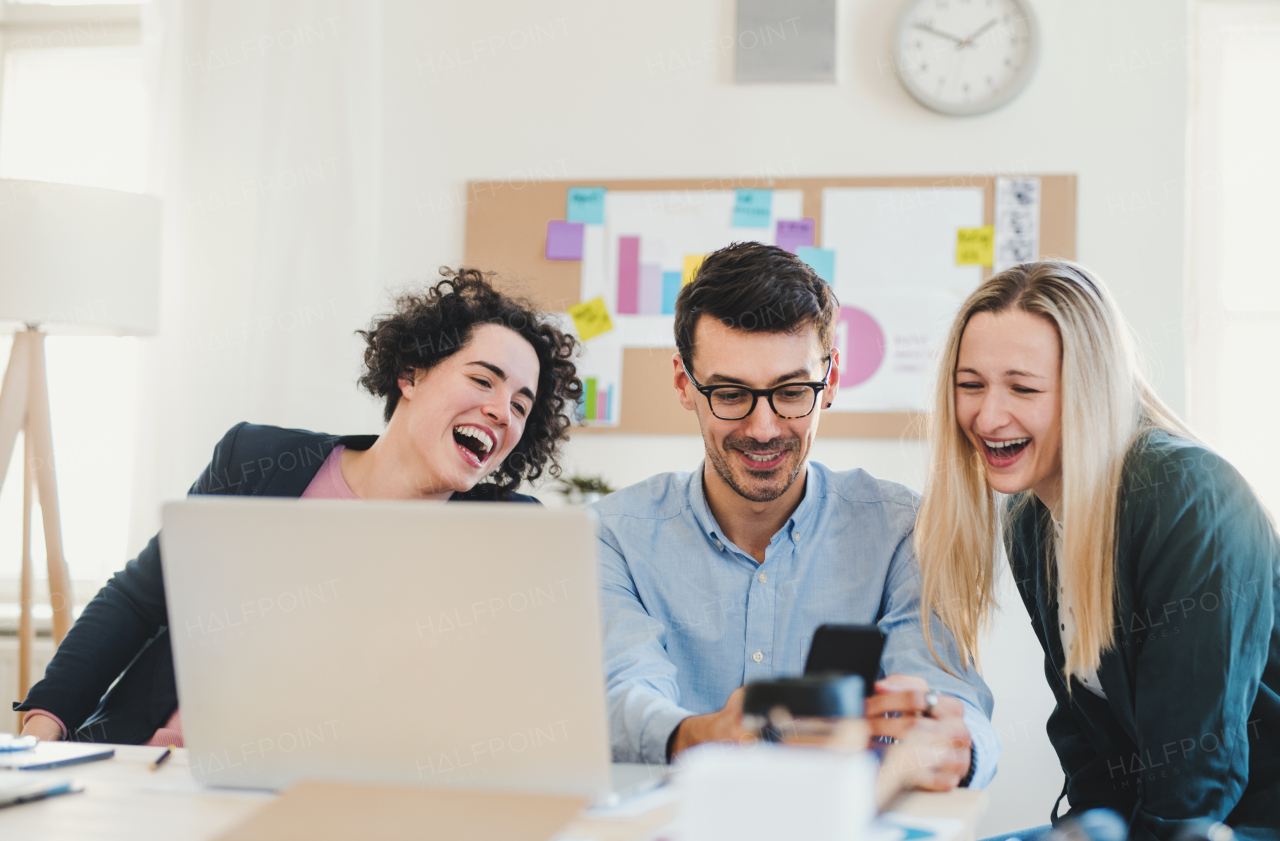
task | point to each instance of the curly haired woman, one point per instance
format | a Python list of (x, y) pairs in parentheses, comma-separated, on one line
[(478, 389)]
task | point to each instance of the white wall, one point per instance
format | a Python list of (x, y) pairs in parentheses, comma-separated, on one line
[(513, 91)]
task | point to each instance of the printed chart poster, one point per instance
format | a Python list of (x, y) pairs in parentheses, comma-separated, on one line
[(899, 286), (636, 262)]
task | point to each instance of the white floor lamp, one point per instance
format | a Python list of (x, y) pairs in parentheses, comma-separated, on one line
[(73, 260)]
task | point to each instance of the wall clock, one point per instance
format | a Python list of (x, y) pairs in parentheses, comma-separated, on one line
[(964, 57)]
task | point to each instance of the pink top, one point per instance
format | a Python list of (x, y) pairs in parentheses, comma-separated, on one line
[(327, 484)]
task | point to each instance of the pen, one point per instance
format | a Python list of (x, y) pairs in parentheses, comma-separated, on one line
[(168, 752)]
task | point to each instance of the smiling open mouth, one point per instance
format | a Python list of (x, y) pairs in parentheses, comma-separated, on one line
[(1005, 452), (474, 442), (762, 461)]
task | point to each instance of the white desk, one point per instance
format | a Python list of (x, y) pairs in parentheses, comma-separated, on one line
[(125, 801)]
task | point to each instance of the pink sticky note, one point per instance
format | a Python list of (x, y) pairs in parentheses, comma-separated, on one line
[(793, 233), (564, 240)]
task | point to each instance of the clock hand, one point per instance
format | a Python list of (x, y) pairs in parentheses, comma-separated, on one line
[(968, 42), (926, 28)]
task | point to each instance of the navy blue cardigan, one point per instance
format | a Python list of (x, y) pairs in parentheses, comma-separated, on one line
[(123, 631)]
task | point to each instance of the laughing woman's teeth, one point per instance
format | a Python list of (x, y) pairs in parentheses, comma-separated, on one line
[(1001, 445), (475, 436)]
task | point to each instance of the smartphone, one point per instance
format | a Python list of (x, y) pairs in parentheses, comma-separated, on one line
[(847, 650)]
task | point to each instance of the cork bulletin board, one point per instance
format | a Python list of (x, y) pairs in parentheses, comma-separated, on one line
[(506, 232)]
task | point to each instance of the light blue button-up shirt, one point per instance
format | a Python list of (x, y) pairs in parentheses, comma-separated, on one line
[(689, 617)]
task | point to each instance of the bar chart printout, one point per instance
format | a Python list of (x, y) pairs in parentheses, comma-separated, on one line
[(597, 400)]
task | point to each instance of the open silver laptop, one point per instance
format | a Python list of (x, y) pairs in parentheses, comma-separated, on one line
[(389, 642)]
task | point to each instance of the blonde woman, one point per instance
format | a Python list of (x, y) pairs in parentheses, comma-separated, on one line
[(1147, 564)]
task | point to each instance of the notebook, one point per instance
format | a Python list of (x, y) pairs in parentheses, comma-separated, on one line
[(25, 787), (54, 755)]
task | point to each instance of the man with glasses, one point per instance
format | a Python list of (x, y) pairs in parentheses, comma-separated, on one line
[(719, 577)]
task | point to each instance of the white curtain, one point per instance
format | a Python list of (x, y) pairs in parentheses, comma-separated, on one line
[(267, 155)]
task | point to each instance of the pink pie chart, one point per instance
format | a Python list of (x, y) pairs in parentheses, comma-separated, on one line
[(862, 341)]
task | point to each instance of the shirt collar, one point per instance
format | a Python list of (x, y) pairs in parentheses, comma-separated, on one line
[(801, 520)]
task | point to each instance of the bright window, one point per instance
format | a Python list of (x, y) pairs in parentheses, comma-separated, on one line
[(1235, 335), (76, 114)]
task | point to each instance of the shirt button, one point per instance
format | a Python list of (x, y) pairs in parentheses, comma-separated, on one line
[(763, 578), (719, 545), (795, 536), (757, 656)]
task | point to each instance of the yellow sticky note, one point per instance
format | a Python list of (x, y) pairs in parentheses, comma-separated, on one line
[(975, 246), (692, 262), (591, 318)]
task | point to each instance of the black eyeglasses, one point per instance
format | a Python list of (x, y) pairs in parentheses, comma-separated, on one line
[(735, 402)]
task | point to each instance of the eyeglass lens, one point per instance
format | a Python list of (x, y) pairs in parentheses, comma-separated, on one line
[(789, 401)]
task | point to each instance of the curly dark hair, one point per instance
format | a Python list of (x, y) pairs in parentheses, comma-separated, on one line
[(429, 326)]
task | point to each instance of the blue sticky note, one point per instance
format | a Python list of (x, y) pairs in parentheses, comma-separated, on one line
[(752, 208), (585, 204), (821, 260), (671, 283)]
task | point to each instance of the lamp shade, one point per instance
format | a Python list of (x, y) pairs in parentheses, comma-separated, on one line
[(79, 259)]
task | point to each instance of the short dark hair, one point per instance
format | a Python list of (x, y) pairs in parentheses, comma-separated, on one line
[(758, 288), (429, 326)]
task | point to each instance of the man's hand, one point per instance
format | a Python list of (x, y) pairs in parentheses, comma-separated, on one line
[(43, 728), (933, 753), (722, 726)]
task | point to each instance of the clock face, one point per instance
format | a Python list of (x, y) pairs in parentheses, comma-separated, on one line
[(966, 56)]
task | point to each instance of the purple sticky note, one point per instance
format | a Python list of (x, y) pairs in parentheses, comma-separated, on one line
[(564, 240), (793, 233)]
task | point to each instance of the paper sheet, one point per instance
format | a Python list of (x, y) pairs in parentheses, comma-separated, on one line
[(896, 266), (1017, 213), (899, 826)]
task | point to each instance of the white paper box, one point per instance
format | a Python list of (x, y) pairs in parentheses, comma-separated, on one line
[(767, 792)]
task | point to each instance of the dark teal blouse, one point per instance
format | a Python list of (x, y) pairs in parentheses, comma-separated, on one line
[(1190, 727)]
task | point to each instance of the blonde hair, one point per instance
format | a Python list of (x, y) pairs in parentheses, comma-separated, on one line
[(1106, 405)]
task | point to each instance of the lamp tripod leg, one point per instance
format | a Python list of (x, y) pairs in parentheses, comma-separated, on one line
[(26, 627), (13, 417), (40, 430)]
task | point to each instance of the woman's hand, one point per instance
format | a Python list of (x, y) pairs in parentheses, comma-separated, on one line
[(933, 749), (43, 728)]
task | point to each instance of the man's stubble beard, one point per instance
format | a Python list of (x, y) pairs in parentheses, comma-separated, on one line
[(720, 461)]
